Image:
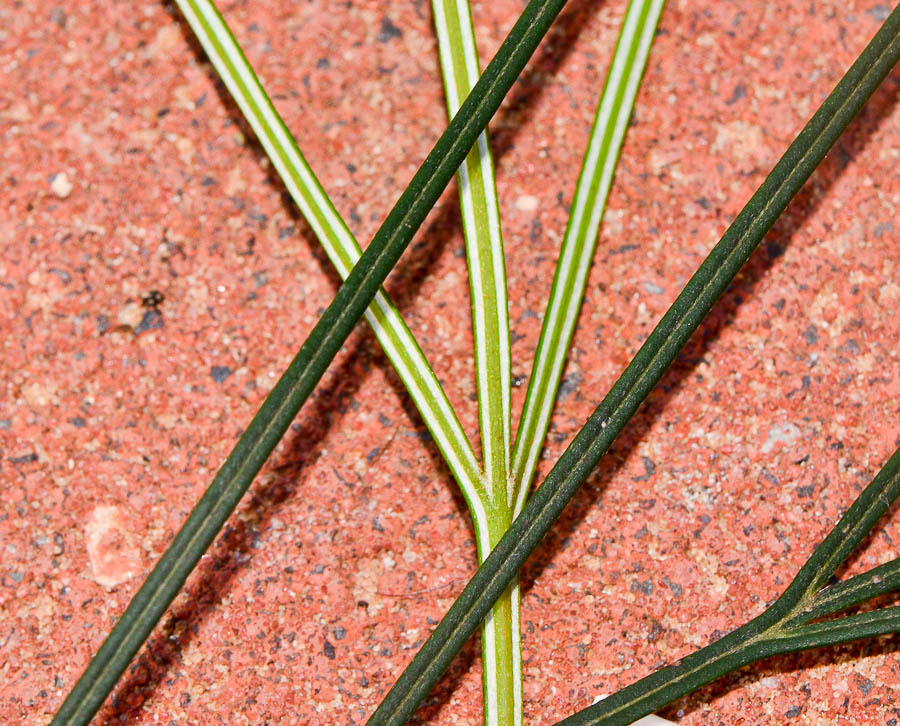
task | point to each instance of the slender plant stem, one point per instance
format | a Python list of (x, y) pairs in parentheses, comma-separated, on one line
[(569, 281), (500, 647), (304, 372), (484, 247), (861, 588), (342, 249), (643, 373), (835, 632), (802, 595), (651, 693), (780, 629), (869, 507)]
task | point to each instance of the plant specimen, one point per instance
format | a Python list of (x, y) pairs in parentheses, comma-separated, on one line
[(785, 626), (332, 645)]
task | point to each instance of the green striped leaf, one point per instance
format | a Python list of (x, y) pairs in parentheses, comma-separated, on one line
[(577, 251), (336, 239), (303, 374), (501, 658)]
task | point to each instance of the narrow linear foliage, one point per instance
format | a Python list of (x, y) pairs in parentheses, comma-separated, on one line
[(502, 666), (507, 486), (335, 237), (490, 493), (484, 248), (642, 374), (304, 372), (785, 626), (501, 659), (577, 251)]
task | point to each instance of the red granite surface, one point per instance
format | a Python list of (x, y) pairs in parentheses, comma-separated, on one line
[(125, 170)]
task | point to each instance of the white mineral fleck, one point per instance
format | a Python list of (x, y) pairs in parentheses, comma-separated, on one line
[(781, 434), (61, 186), (527, 203)]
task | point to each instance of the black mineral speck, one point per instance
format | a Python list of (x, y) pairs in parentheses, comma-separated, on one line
[(649, 470), (739, 93), (152, 319), (676, 589), (880, 11), (811, 335), (388, 31), (328, 650), (62, 275), (58, 17), (220, 373), (569, 385)]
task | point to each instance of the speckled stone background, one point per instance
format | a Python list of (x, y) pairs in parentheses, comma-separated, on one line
[(125, 170)]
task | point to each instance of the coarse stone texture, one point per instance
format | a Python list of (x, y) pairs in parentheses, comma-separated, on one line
[(155, 282)]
